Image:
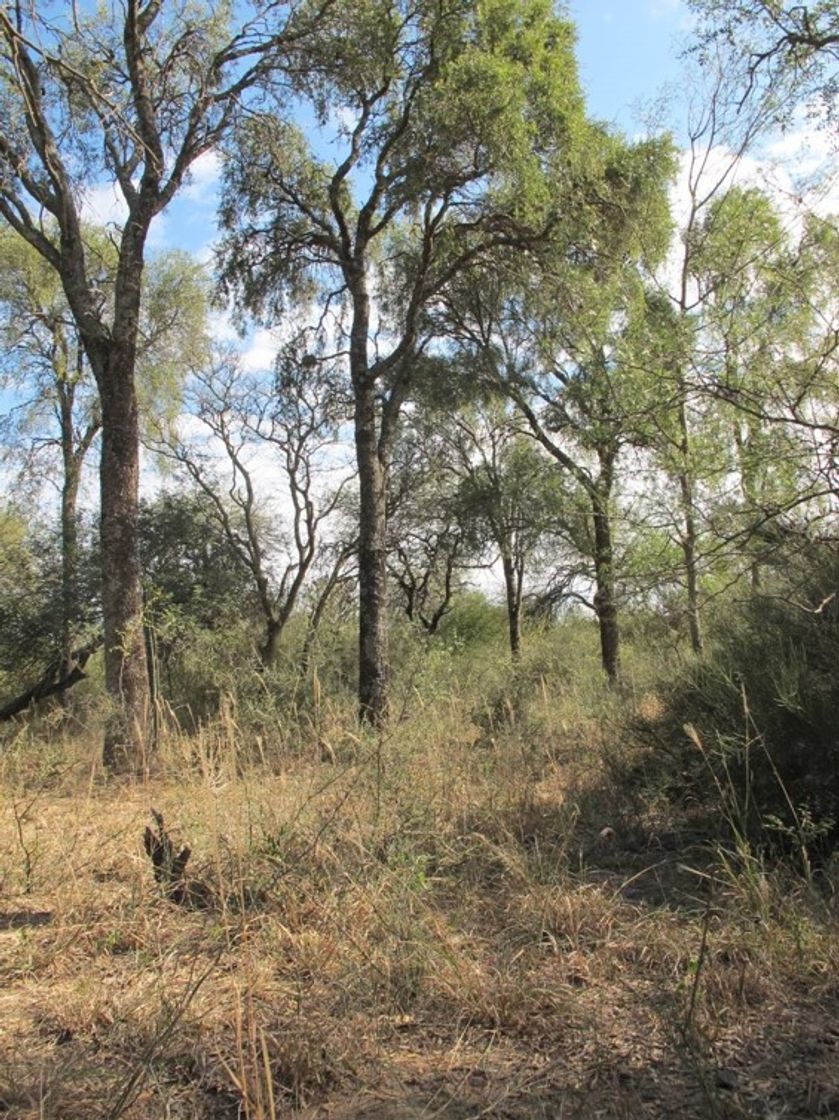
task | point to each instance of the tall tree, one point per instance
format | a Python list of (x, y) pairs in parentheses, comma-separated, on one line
[(768, 336), (561, 333), (718, 139), (451, 119), (732, 261), (430, 543), (284, 427), (45, 363), (787, 50), (508, 498), (130, 95), (45, 366)]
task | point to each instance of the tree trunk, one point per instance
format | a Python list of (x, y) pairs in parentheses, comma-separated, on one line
[(58, 677), (126, 676), (268, 649), (689, 529), (373, 668), (319, 609), (512, 587), (69, 553), (605, 603)]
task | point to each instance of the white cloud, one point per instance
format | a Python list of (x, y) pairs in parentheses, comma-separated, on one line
[(205, 254), (344, 119), (261, 351), (104, 205), (160, 234), (222, 327), (204, 176), (790, 168)]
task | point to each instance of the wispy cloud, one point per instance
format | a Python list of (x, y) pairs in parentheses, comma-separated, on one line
[(262, 350), (103, 205), (204, 178)]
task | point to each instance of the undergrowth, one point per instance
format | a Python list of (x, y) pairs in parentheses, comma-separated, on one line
[(497, 908)]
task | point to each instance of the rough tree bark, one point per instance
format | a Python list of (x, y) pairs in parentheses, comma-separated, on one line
[(159, 96), (605, 603), (126, 676), (513, 581), (373, 665)]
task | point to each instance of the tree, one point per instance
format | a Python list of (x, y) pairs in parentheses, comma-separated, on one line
[(508, 499), (294, 419), (718, 140), (429, 541), (132, 95), (45, 360), (452, 120), (45, 363), (561, 333), (694, 306), (787, 50), (769, 334), (194, 588)]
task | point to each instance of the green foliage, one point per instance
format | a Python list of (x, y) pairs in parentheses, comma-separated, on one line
[(174, 337), (199, 603), (453, 123), (765, 700), (44, 360), (31, 599), (474, 622)]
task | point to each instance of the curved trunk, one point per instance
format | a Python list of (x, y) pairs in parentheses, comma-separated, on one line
[(268, 649)]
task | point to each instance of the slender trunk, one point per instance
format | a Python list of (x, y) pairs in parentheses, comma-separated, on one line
[(749, 489), (689, 531), (69, 553), (72, 465), (691, 568), (513, 587), (685, 476), (126, 676), (605, 603), (312, 631), (319, 608), (373, 669)]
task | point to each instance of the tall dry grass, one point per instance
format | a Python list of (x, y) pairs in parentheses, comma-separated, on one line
[(483, 912)]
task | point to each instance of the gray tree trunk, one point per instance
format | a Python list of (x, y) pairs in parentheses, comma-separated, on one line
[(126, 674), (513, 588), (605, 603), (373, 666)]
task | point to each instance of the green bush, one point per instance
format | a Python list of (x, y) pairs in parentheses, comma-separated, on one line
[(765, 704)]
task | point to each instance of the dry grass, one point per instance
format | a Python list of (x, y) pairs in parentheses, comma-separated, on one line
[(432, 925)]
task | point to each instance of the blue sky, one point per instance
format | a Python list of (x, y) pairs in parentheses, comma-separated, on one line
[(628, 53)]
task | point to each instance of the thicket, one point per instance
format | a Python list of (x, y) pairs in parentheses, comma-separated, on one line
[(761, 708)]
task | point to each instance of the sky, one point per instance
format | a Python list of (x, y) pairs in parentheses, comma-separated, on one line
[(628, 53)]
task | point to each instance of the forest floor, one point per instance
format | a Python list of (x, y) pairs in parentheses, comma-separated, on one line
[(450, 926)]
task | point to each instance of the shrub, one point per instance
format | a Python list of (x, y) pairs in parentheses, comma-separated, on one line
[(765, 703)]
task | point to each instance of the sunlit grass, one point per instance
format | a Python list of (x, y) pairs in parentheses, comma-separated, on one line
[(479, 913)]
